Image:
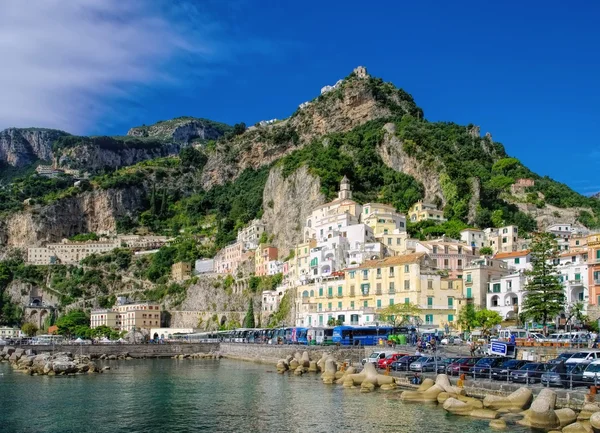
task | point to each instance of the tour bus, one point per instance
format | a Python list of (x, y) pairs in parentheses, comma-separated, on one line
[(320, 336), (48, 339), (362, 335)]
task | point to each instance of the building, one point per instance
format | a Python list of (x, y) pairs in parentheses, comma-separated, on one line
[(520, 186), (354, 296), (47, 171), (422, 211), (169, 333), (262, 256), (300, 271), (128, 316), (181, 271), (506, 294), (7, 332), (503, 239), (250, 235), (398, 242), (477, 276), (382, 218), (572, 267), (517, 260), (334, 215), (204, 266), (473, 237), (270, 301), (448, 255), (68, 252), (229, 258), (593, 244), (274, 267)]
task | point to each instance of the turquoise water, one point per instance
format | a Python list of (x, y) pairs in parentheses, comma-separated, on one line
[(204, 395)]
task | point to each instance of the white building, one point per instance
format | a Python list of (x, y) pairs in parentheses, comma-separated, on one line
[(6, 332), (271, 300), (503, 239), (505, 295), (204, 266), (473, 237), (573, 274), (517, 260), (250, 235), (274, 267)]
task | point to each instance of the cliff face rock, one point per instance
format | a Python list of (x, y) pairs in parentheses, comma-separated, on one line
[(353, 102), (19, 147), (474, 200), (181, 130), (549, 214), (393, 156), (287, 202), (93, 158), (89, 212)]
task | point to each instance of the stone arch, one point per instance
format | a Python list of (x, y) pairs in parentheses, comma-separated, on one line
[(495, 301), (43, 315), (312, 293), (305, 294)]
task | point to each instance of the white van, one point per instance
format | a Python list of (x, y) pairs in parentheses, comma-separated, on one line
[(584, 357), (377, 355)]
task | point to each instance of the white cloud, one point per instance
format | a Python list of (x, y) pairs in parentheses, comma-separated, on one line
[(63, 61)]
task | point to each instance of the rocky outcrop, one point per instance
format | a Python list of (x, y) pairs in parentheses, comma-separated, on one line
[(91, 211), (19, 147), (61, 363), (394, 156), (287, 202), (181, 130)]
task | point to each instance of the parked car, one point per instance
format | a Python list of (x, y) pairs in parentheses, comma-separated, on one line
[(584, 357), (484, 366), (388, 360), (573, 375), (530, 373), (591, 375), (562, 357), (461, 365), (443, 366), (403, 363), (426, 363), (376, 356), (451, 340), (501, 372)]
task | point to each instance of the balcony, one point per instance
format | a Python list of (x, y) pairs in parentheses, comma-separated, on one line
[(392, 292), (468, 282), (597, 282)]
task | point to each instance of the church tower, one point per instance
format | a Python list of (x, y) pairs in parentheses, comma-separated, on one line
[(345, 191)]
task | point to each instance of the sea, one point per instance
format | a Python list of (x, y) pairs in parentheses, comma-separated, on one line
[(166, 395)]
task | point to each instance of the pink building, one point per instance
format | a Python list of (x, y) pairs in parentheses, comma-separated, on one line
[(262, 256), (229, 258)]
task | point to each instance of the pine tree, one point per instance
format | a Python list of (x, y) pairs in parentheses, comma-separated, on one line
[(249, 319), (544, 296)]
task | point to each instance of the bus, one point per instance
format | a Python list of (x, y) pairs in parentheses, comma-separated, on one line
[(48, 339), (362, 335), (320, 336)]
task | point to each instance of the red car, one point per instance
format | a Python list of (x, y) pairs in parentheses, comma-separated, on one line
[(383, 363), (460, 366)]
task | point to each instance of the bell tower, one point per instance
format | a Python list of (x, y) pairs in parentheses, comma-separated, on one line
[(345, 191)]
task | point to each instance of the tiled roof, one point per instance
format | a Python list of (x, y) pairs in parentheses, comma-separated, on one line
[(512, 254), (403, 259)]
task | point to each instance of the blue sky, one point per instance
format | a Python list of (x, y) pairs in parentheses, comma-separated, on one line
[(527, 72)]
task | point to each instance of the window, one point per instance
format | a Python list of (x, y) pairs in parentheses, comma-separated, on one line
[(469, 278), (469, 295), (450, 317), (385, 231), (365, 274), (577, 277), (406, 268), (429, 302), (391, 301), (364, 288), (407, 300), (352, 305), (450, 301), (378, 288), (366, 304), (352, 273), (329, 292), (366, 211), (321, 320), (496, 288), (446, 263), (389, 241), (379, 303), (429, 319), (576, 242), (430, 284), (378, 272), (340, 305), (312, 293), (406, 284), (320, 307), (391, 271), (340, 291), (459, 263), (517, 260), (392, 288), (445, 249), (352, 290), (434, 249), (329, 306), (320, 291)]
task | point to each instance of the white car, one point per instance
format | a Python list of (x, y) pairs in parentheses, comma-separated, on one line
[(451, 340), (376, 356), (584, 357)]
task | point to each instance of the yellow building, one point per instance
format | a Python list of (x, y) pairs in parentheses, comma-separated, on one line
[(181, 271), (300, 270), (421, 211), (382, 218), (398, 242), (376, 284), (125, 317)]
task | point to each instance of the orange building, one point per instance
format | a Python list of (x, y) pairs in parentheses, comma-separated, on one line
[(593, 243), (262, 256)]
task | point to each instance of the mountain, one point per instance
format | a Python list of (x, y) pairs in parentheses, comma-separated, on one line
[(363, 127), (22, 146)]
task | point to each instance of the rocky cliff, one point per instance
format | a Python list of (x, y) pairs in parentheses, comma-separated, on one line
[(91, 211), (287, 202), (19, 147), (182, 130)]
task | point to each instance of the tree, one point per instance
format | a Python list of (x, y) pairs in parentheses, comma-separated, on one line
[(467, 318), (544, 296), (398, 314), (576, 311), (487, 319), (331, 322), (73, 323), (249, 319), (486, 251), (190, 157), (29, 329)]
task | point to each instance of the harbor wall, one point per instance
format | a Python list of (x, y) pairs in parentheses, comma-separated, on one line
[(270, 354), (133, 350)]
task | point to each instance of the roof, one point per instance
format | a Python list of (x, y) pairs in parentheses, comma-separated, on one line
[(512, 254), (403, 259), (573, 252), (471, 230)]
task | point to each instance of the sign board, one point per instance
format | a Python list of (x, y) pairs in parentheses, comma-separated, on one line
[(498, 348)]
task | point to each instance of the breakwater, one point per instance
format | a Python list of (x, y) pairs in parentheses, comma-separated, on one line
[(131, 350)]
